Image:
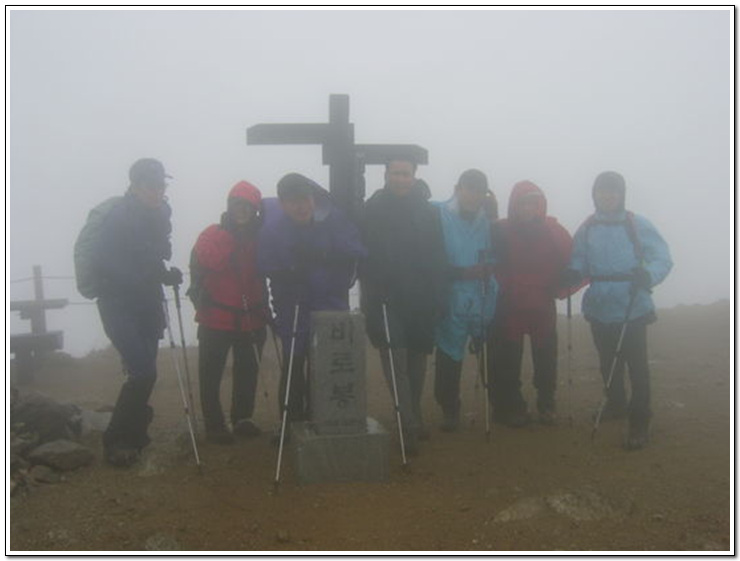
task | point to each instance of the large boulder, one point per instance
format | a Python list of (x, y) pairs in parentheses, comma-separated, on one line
[(63, 455), (37, 414)]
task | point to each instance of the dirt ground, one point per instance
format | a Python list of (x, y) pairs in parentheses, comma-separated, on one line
[(538, 488)]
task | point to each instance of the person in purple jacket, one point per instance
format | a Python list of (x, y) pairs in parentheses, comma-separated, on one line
[(308, 250)]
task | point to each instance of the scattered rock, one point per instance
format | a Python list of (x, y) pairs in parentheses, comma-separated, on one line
[(43, 474), (580, 506), (17, 463), (283, 536), (45, 417), (21, 445), (523, 509), (64, 455), (93, 421), (161, 541)]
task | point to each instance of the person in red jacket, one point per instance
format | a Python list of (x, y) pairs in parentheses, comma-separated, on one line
[(231, 313), (533, 251)]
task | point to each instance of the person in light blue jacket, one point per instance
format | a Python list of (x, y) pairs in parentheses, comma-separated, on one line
[(466, 224), (623, 257)]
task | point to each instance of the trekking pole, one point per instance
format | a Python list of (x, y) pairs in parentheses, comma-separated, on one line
[(484, 347), (393, 383), (617, 352), (176, 290), (186, 406), (287, 395), (569, 393)]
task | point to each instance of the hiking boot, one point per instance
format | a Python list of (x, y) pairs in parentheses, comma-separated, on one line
[(220, 436), (611, 412), (450, 424), (422, 433), (517, 420), (246, 428), (547, 417), (275, 438), (638, 437), (410, 443), (122, 457), (512, 419)]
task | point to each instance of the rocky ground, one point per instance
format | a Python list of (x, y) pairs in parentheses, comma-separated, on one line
[(533, 489)]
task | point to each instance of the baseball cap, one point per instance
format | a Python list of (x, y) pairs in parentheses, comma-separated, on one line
[(147, 169)]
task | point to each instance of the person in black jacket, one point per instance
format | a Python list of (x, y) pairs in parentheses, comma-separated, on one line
[(405, 270), (128, 258)]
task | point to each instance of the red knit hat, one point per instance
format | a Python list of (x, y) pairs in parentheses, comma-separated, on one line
[(246, 191)]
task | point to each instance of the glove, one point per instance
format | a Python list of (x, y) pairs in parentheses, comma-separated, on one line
[(641, 278), (173, 277), (568, 278)]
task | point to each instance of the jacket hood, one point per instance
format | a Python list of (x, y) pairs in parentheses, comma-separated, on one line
[(246, 191), (613, 181), (522, 190)]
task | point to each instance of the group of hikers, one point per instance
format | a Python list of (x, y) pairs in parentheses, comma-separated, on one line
[(435, 277)]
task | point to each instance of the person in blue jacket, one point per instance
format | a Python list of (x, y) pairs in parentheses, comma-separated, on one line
[(471, 295), (128, 258), (623, 257), (309, 250)]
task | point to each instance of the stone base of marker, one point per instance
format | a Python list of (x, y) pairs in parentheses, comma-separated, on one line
[(322, 458)]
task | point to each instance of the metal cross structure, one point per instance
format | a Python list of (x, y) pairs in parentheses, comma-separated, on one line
[(346, 160)]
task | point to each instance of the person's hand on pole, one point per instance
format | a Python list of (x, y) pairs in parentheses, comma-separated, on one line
[(173, 277)]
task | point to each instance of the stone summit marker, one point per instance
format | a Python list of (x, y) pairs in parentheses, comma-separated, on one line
[(340, 443)]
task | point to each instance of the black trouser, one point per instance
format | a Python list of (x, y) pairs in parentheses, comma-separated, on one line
[(505, 366), (298, 400), (135, 333), (447, 383), (634, 355), (214, 346), (409, 367)]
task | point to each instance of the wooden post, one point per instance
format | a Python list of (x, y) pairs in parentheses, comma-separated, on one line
[(38, 314)]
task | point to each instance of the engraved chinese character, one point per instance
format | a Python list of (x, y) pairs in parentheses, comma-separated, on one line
[(342, 394), (342, 362)]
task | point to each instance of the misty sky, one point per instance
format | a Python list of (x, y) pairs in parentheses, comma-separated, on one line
[(553, 96)]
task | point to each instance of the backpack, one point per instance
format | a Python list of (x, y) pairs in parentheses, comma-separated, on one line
[(85, 273), (197, 290)]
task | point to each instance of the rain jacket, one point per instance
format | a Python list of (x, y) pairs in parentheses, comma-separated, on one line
[(405, 268), (129, 260), (606, 248), (316, 284), (533, 256), (471, 302), (234, 294)]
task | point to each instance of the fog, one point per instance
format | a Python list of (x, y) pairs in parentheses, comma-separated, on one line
[(553, 96)]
